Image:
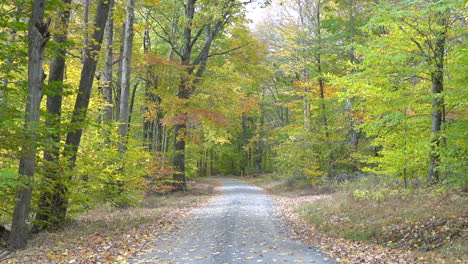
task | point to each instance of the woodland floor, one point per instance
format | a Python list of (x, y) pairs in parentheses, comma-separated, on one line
[(108, 235), (424, 227)]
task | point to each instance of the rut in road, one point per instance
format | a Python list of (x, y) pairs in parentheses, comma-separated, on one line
[(239, 226)]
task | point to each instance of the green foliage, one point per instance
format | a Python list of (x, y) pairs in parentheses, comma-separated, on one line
[(9, 182), (103, 175)]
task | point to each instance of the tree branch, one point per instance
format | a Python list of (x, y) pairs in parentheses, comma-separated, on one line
[(227, 51)]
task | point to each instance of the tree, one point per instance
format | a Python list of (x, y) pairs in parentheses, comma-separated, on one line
[(38, 35), (73, 139), (127, 44), (202, 23), (49, 203), (107, 77)]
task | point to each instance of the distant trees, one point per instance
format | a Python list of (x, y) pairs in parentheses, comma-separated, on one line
[(373, 76)]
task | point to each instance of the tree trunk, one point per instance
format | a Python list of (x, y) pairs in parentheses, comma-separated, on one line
[(179, 157), (86, 30), (148, 123), (38, 35), (107, 73), (179, 141), (259, 148), (437, 77), (118, 88), (194, 71), (132, 103), (73, 140), (245, 140), (353, 132), (47, 216), (125, 85)]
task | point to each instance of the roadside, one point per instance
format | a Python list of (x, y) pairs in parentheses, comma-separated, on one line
[(385, 225), (110, 235)]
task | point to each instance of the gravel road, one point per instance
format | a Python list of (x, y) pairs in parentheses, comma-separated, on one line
[(239, 226)]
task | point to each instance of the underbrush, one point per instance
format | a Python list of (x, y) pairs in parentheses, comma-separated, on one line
[(279, 185), (430, 221), (110, 235)]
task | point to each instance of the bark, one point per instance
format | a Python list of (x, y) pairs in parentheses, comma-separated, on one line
[(125, 84), (48, 216), (86, 30), (437, 77), (73, 139), (179, 142), (132, 103), (118, 88), (107, 73), (38, 35)]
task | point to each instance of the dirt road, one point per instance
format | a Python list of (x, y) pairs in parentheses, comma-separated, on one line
[(239, 226)]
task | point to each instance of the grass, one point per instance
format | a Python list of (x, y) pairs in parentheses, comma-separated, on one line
[(429, 221), (278, 185)]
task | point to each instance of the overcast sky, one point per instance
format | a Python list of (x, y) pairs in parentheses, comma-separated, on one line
[(255, 13)]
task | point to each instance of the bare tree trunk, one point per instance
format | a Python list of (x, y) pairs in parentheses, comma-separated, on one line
[(49, 206), (125, 85), (38, 35)]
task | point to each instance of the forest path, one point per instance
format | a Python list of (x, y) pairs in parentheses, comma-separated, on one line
[(239, 226)]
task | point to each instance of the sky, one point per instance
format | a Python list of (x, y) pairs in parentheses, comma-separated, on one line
[(255, 13)]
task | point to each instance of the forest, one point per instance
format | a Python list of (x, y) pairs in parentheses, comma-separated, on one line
[(109, 101)]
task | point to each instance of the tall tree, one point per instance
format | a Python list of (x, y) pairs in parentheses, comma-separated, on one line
[(125, 65), (437, 54), (107, 77), (202, 23), (49, 204), (73, 139), (38, 35)]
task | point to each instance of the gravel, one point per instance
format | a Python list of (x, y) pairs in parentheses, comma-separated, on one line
[(239, 226)]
